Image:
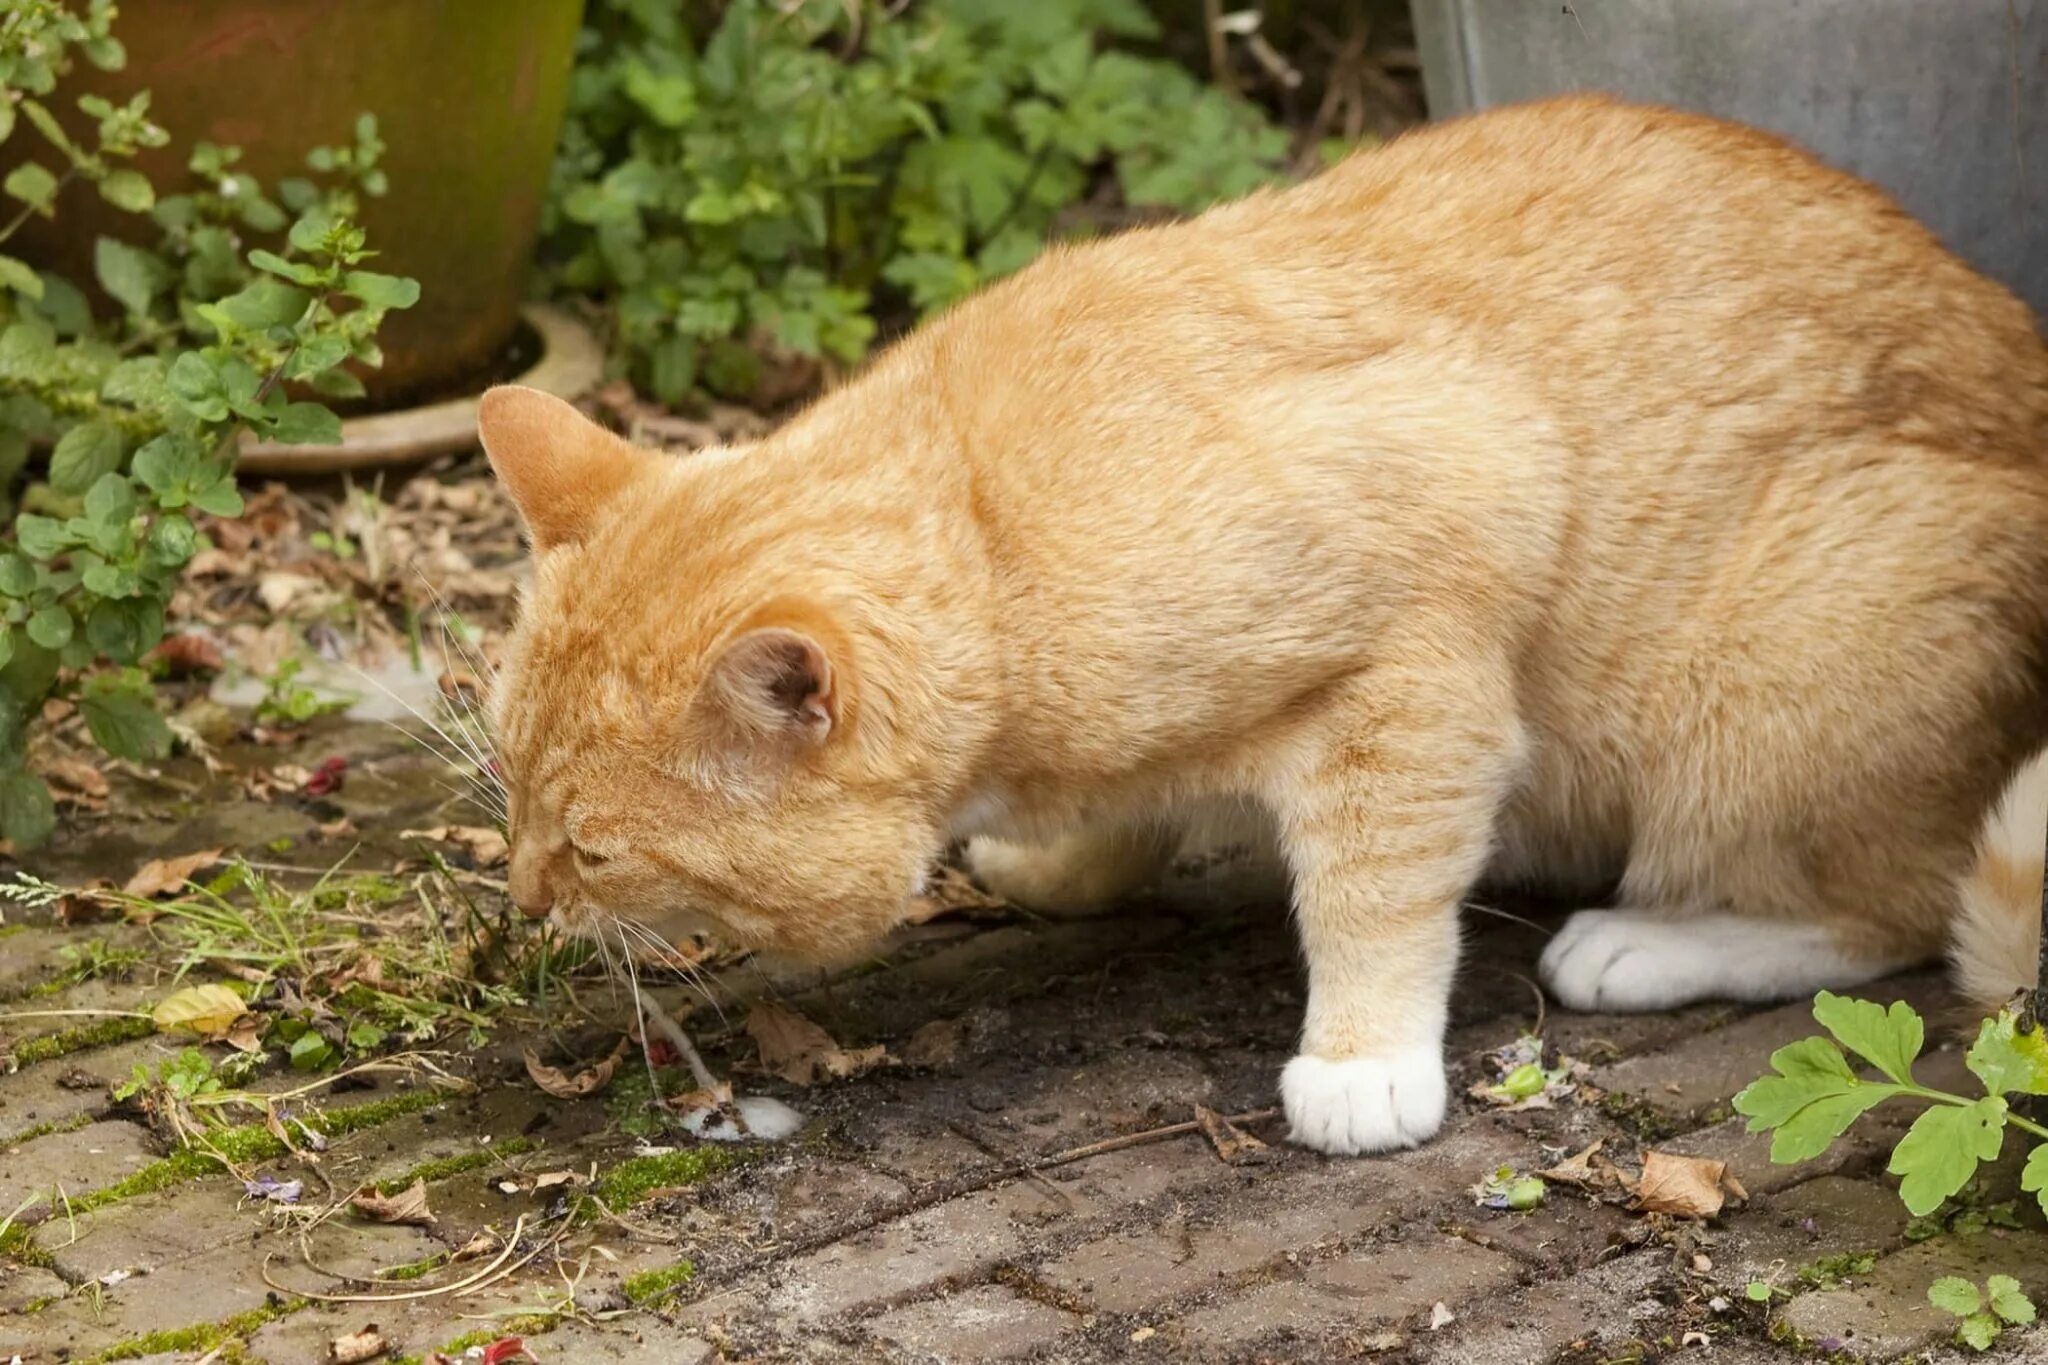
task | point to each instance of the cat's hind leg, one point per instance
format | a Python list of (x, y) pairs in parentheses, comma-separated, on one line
[(1085, 871), (1658, 959)]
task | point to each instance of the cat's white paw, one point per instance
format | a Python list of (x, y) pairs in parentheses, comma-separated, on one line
[(1620, 960), (1364, 1104)]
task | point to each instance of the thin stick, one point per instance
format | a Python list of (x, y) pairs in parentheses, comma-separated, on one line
[(680, 1041), (511, 1245)]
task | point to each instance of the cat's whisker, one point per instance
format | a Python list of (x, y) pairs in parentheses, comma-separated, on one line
[(482, 771)]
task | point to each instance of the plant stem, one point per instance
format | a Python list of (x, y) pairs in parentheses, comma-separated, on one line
[(15, 224)]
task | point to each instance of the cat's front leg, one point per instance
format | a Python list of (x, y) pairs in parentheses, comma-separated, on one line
[(1386, 828)]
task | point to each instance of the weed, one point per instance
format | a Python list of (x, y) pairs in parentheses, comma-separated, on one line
[(1983, 1315), (649, 1286)]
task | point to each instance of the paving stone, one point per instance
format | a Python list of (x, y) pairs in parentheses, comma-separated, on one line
[(989, 1322), (22, 1285), (1830, 1216), (1888, 1313), (910, 1256), (1600, 1305), (89, 1158), (1376, 1287)]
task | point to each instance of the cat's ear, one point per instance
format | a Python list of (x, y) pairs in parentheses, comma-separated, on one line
[(560, 467), (782, 682)]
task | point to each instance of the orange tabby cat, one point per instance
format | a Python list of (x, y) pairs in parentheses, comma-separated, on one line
[(1574, 491)]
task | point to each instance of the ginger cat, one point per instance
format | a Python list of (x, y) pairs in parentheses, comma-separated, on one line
[(1569, 492)]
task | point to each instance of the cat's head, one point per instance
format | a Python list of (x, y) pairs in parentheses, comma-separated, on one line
[(691, 732)]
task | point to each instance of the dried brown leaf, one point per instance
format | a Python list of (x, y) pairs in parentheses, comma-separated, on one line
[(486, 846), (1685, 1186), (357, 1347), (183, 656), (163, 876), (800, 1052), (1233, 1144), (935, 1044), (407, 1206), (1586, 1168), (566, 1086)]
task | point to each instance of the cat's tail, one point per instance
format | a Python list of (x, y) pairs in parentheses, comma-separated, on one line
[(1995, 949)]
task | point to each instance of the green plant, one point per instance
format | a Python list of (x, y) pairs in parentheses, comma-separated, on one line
[(1985, 1315), (286, 701), (1813, 1096), (776, 177), (143, 413)]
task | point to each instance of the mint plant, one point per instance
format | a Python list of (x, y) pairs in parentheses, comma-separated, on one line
[(1814, 1094), (241, 319), (1984, 1315), (783, 175)]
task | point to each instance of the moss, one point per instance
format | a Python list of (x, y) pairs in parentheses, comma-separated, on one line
[(447, 1166), (416, 1270), (43, 1047), (223, 1336), (251, 1142), (1643, 1119), (1830, 1272), (650, 1285), (635, 1179), (45, 1129)]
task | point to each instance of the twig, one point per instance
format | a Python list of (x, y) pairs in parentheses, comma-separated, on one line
[(511, 1245), (673, 1034)]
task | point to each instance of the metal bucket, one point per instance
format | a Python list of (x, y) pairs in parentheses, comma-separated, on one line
[(1942, 102)]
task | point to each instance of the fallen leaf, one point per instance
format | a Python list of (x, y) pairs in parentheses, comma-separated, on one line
[(210, 1011), (555, 1179), (700, 1101), (800, 1052), (245, 1034), (947, 892), (76, 783), (356, 1347), (344, 828), (564, 1086), (86, 904), (504, 1349), (480, 1244), (407, 1206), (1687, 1186), (183, 656), (935, 1044), (1586, 1168), (328, 778), (161, 876), (1441, 1316), (486, 846), (1236, 1147)]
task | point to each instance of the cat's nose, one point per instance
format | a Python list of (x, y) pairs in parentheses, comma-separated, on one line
[(529, 889)]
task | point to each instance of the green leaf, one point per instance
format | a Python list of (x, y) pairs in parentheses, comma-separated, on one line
[(168, 463), (132, 277), (296, 271), (2034, 1177), (311, 357), (2007, 1060), (1940, 1152), (381, 291), (1888, 1039), (20, 277), (84, 453), (2008, 1300), (265, 302), (32, 185), (17, 576), (197, 386), (1810, 1099), (122, 715), (1954, 1294), (50, 627), (306, 424), (41, 537), (1978, 1331), (220, 497), (173, 541), (310, 1051), (111, 499), (27, 814), (128, 190), (125, 630)]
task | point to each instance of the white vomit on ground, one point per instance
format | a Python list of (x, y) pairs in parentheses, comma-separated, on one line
[(766, 1120)]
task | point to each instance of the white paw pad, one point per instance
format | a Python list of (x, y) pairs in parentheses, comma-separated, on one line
[(1364, 1104), (1625, 960)]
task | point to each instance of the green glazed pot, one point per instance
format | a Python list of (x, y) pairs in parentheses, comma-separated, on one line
[(468, 96)]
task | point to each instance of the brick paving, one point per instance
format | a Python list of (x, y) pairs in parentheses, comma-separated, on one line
[(881, 1232)]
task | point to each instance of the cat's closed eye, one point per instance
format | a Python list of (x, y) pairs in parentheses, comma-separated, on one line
[(586, 861)]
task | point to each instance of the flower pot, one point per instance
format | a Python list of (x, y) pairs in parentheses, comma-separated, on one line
[(468, 95), (1942, 104)]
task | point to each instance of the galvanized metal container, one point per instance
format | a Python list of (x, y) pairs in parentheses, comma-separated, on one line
[(1942, 102)]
